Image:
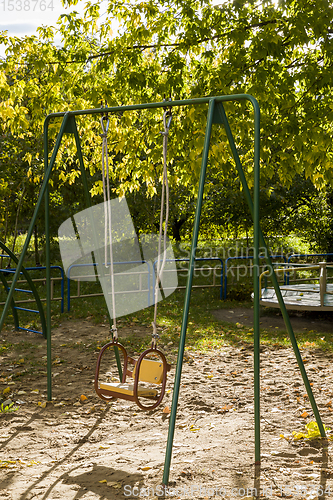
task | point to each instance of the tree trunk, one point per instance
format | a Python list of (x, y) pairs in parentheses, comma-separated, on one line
[(176, 226), (16, 222)]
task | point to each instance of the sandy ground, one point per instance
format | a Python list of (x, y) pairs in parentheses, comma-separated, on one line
[(72, 450)]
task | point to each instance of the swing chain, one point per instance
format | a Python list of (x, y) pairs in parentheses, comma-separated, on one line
[(167, 114), (104, 118), (105, 127), (155, 336), (167, 117), (114, 333), (107, 212)]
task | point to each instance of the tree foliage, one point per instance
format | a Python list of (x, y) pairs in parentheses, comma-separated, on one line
[(144, 50)]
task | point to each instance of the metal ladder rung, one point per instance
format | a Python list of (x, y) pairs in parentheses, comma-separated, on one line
[(29, 330), (27, 310)]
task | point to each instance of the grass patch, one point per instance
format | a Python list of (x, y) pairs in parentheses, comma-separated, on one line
[(204, 332)]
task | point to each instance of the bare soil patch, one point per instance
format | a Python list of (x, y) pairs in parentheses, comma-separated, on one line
[(93, 451)]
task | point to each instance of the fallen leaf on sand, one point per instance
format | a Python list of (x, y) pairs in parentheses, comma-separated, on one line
[(114, 484), (194, 429)]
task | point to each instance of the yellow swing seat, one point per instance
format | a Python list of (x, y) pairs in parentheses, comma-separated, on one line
[(150, 371), (145, 370), (128, 390)]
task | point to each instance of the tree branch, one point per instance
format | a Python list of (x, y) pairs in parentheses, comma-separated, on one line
[(167, 45)]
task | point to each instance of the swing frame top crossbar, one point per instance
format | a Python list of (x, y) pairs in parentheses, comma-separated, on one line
[(215, 115), (163, 104)]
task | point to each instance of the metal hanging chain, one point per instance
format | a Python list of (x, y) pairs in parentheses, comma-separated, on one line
[(107, 217), (167, 117)]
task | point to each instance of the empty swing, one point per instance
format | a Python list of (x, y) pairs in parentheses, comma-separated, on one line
[(149, 371)]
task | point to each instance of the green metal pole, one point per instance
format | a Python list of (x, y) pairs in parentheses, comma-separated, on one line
[(273, 276), (256, 298), (33, 221), (181, 348), (294, 343), (48, 269), (155, 105)]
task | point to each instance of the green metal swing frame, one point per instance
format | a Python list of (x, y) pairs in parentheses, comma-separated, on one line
[(215, 115)]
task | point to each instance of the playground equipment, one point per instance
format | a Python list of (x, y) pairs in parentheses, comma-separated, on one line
[(231, 269), (308, 296), (216, 115), (215, 277), (150, 372), (32, 291)]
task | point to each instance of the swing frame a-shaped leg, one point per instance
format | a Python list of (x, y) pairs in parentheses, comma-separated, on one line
[(216, 115)]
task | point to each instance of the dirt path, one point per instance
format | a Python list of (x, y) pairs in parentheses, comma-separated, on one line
[(272, 319), (92, 451)]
